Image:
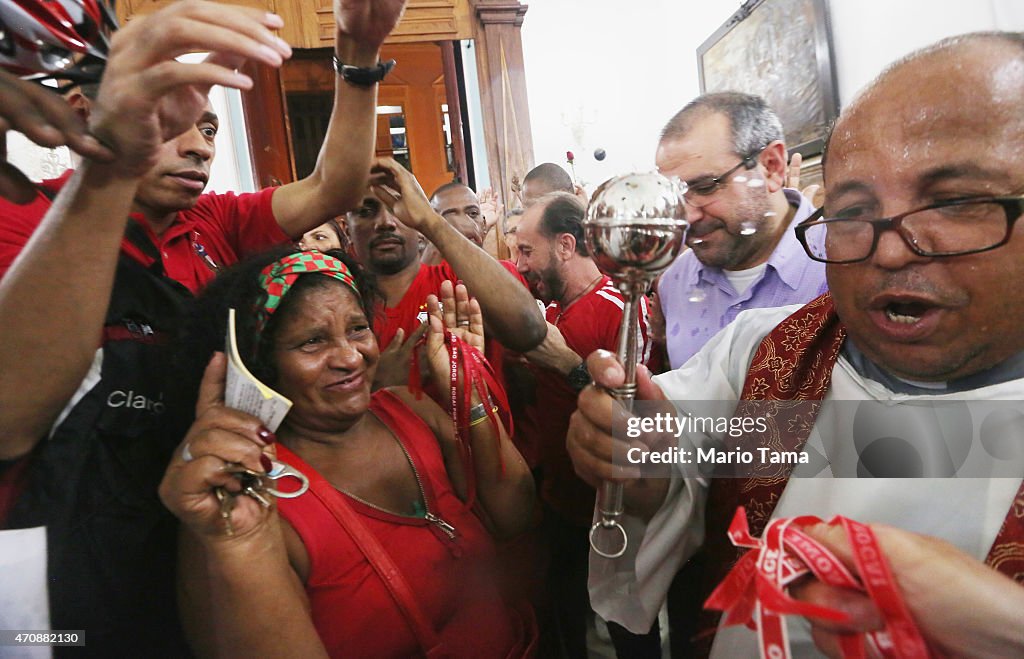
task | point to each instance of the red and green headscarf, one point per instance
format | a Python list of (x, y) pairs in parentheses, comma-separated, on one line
[(278, 277)]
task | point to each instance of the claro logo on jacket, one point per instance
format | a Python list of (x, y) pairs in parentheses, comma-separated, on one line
[(130, 399)]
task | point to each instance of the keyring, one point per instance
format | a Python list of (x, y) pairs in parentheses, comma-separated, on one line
[(608, 524), (281, 471)]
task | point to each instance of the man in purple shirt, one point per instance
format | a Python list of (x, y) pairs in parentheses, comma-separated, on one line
[(730, 149)]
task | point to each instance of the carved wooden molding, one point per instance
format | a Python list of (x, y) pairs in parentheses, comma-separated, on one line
[(506, 112), (500, 12), (310, 23)]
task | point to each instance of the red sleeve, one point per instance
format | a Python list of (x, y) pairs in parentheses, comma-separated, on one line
[(444, 271), (18, 223), (440, 272), (511, 267), (246, 221), (16, 226), (607, 321)]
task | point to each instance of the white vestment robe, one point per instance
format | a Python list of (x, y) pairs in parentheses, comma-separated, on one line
[(966, 512)]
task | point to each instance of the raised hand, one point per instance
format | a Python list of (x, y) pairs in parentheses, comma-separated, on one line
[(813, 192), (793, 171), (219, 436), (396, 359), (399, 190), (147, 97), (45, 118), (491, 208), (462, 317), (368, 21)]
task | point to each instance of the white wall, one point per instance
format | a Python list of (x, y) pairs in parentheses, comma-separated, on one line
[(607, 73), (869, 34), (232, 168)]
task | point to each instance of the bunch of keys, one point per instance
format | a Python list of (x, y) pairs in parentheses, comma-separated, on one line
[(255, 485)]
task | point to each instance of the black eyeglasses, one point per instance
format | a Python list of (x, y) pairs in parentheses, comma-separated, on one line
[(709, 185), (948, 228)]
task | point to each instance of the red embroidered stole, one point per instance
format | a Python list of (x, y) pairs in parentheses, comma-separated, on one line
[(794, 362)]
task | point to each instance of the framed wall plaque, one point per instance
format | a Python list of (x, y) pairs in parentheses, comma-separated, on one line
[(781, 50)]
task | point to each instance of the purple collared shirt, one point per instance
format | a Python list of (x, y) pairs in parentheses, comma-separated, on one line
[(698, 301)]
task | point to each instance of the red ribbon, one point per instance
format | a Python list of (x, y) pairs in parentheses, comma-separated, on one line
[(754, 591), (469, 370)]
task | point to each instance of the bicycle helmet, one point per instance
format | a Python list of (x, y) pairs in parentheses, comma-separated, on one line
[(56, 39)]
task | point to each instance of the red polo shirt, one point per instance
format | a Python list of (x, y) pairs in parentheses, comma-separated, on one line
[(588, 324), (407, 313), (218, 231)]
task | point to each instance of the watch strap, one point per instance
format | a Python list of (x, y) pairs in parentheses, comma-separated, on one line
[(362, 76), (579, 377)]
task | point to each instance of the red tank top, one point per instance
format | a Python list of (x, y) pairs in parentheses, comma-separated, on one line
[(453, 578)]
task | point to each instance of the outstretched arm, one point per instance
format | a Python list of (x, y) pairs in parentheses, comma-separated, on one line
[(54, 297), (961, 605), (511, 314), (338, 181)]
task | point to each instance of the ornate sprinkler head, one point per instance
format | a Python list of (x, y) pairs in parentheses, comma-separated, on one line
[(636, 224)]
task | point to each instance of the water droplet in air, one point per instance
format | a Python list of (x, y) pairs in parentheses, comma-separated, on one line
[(695, 295), (748, 228)]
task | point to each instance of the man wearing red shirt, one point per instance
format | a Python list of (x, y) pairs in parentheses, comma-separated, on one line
[(384, 238), (584, 313), (82, 277)]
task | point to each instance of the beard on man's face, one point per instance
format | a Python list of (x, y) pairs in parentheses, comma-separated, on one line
[(718, 242), (390, 253), (546, 285)]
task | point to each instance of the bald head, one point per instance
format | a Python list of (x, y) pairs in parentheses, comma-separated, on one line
[(545, 179), (457, 203), (455, 187), (942, 124)]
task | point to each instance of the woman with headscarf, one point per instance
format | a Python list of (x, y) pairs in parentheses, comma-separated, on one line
[(391, 551)]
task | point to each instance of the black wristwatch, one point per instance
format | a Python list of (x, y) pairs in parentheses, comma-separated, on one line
[(579, 377), (363, 76)]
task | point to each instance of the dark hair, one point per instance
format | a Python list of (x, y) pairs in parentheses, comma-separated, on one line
[(343, 239), (338, 231), (552, 177), (563, 213), (753, 123), (238, 287)]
